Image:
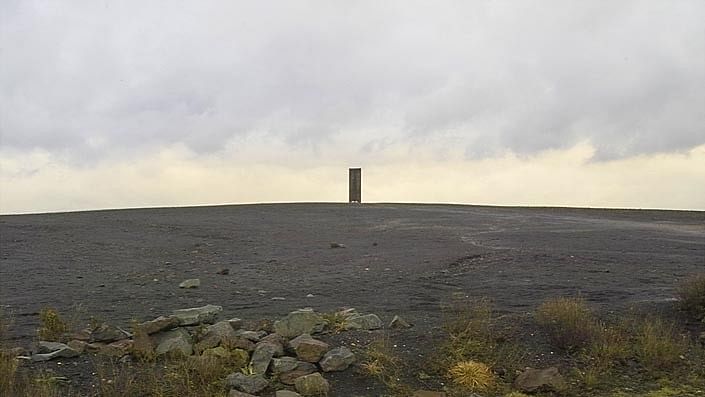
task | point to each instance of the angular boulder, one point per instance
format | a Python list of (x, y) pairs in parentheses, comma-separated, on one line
[(174, 342), (312, 385), (364, 322), (263, 354), (44, 347), (534, 380), (302, 321), (302, 368), (159, 324), (284, 364), (308, 349), (66, 352), (218, 334), (252, 384), (254, 336), (399, 322), (338, 359)]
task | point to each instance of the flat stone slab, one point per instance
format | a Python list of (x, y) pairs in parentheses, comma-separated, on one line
[(198, 315)]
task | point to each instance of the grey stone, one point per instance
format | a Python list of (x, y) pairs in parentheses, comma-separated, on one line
[(286, 393), (190, 283), (302, 321), (247, 383), (44, 346), (176, 341), (533, 380), (263, 354), (254, 336), (198, 315), (398, 322), (338, 359), (276, 338), (236, 323), (308, 349), (218, 334), (284, 364), (365, 322), (66, 352), (302, 368), (312, 385), (159, 324), (78, 345), (235, 393)]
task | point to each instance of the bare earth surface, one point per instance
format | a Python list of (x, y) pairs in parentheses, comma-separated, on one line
[(399, 259)]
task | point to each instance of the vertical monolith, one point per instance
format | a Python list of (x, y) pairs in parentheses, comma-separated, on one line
[(355, 185)]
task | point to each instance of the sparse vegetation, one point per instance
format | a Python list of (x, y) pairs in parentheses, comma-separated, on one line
[(691, 294), (380, 361), (472, 375), (53, 327), (335, 321), (657, 344), (473, 334), (478, 351), (569, 322)]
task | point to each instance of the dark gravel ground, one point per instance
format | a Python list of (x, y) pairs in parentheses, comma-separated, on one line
[(403, 259)]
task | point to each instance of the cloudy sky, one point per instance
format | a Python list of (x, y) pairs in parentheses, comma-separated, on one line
[(111, 104)]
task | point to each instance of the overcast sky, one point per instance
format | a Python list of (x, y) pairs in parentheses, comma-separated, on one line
[(108, 104)]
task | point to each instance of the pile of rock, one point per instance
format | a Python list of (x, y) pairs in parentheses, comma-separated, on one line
[(290, 356)]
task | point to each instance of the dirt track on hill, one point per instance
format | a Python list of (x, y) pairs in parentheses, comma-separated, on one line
[(399, 259)]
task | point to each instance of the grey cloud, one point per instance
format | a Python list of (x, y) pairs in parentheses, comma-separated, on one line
[(92, 79)]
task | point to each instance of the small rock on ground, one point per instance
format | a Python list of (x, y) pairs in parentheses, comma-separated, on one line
[(399, 322), (365, 322), (190, 283), (532, 380)]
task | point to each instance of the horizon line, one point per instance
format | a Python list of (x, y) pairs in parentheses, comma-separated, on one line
[(528, 206)]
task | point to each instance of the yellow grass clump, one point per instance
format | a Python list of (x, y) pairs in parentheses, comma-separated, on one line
[(473, 375)]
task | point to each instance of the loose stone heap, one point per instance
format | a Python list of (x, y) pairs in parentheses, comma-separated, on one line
[(290, 356)]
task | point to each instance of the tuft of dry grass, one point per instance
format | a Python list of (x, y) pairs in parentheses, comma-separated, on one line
[(335, 321), (570, 323), (53, 327), (8, 361), (8, 371), (691, 294), (658, 345), (473, 334), (380, 361), (472, 375)]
